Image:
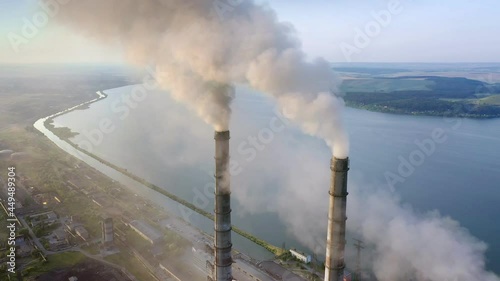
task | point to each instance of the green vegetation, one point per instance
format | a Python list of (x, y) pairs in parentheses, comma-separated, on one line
[(271, 248), (3, 225), (53, 262), (91, 218), (372, 85), (43, 230), (369, 70), (30, 91), (92, 249), (445, 96), (490, 100), (286, 256), (63, 133), (136, 241), (46, 167)]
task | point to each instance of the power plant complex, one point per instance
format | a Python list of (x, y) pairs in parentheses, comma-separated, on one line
[(335, 242)]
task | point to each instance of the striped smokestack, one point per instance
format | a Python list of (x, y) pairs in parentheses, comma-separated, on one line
[(223, 259), (335, 243)]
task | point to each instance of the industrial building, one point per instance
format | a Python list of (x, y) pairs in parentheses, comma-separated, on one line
[(147, 232), (48, 218), (300, 256), (202, 260), (58, 240), (82, 232)]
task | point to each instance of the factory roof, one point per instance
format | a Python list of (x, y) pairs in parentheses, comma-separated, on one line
[(146, 230)]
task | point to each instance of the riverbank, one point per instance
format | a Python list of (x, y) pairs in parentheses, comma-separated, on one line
[(398, 111), (65, 133)]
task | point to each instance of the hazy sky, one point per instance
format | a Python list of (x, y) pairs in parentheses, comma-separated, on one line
[(418, 31)]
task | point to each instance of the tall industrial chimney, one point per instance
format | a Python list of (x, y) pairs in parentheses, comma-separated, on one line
[(223, 259), (335, 243)]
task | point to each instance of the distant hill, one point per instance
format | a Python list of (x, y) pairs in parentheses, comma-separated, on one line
[(424, 95)]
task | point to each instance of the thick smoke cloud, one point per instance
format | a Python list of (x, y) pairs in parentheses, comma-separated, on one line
[(292, 171), (401, 244), (200, 53), (199, 56), (410, 245)]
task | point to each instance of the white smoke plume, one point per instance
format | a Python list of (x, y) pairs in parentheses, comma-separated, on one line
[(199, 55), (401, 243), (411, 246)]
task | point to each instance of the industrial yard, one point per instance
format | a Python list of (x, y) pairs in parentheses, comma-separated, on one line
[(249, 140), (130, 237)]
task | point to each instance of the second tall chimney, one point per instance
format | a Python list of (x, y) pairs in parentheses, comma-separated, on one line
[(223, 259), (335, 243)]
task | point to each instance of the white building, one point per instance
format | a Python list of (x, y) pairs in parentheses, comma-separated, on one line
[(301, 256)]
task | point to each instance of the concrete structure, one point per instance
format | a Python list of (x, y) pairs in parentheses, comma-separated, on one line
[(147, 231), (300, 256), (107, 233), (335, 243), (72, 225), (82, 232), (60, 234), (202, 260), (222, 238)]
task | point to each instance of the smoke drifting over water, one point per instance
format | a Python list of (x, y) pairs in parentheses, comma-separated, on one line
[(424, 247), (199, 55)]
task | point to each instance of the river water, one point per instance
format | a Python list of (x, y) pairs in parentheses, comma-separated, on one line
[(279, 171)]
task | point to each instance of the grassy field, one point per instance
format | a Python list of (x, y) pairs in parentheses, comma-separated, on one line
[(53, 262), (32, 92), (29, 92), (491, 100), (384, 85), (444, 96)]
